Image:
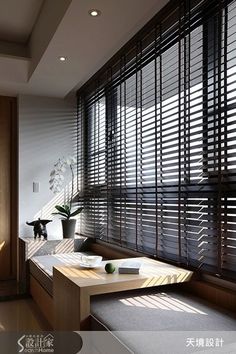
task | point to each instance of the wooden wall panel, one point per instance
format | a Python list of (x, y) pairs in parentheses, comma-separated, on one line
[(42, 299), (8, 187), (213, 293)]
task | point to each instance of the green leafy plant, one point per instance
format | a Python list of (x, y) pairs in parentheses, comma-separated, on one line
[(56, 182), (65, 211)]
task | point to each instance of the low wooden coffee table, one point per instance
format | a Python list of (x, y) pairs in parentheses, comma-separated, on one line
[(73, 286)]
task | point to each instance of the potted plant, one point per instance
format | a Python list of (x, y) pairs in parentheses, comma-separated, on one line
[(66, 209)]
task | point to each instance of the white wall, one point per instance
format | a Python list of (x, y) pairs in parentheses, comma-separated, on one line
[(47, 131)]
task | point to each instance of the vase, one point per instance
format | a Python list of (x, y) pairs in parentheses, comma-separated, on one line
[(68, 228)]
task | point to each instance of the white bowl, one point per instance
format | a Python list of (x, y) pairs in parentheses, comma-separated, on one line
[(91, 261)]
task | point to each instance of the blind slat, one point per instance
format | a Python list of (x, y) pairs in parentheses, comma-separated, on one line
[(159, 140)]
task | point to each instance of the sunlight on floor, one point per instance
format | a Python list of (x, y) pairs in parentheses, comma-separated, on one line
[(2, 245)]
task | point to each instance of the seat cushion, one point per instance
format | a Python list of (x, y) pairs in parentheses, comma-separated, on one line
[(41, 267), (157, 309), (164, 308)]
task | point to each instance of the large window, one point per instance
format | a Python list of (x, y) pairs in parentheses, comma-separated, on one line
[(160, 139)]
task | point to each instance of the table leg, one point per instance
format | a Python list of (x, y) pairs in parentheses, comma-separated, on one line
[(84, 310), (71, 304)]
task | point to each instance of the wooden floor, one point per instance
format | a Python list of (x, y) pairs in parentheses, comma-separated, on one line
[(21, 315), (9, 289)]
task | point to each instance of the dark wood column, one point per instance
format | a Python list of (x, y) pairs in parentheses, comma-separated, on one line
[(8, 187)]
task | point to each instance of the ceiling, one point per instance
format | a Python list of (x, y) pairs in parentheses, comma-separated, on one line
[(16, 22), (34, 33)]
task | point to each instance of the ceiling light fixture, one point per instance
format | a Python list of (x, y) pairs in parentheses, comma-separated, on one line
[(62, 58), (94, 12)]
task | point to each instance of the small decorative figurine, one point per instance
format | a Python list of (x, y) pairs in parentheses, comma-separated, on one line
[(39, 227)]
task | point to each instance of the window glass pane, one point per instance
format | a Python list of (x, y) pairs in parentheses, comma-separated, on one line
[(161, 141)]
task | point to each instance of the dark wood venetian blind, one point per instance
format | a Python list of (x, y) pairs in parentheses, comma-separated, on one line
[(159, 139)]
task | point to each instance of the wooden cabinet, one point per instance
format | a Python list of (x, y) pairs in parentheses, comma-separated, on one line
[(8, 187), (28, 248)]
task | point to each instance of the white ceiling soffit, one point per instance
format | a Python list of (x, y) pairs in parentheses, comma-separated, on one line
[(17, 18), (64, 28)]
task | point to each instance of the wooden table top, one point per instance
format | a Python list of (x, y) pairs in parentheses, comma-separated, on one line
[(152, 273), (73, 286)]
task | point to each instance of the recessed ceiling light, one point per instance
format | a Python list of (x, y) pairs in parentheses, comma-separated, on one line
[(94, 12), (62, 58)]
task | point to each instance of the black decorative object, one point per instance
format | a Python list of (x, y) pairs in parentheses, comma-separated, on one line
[(68, 228), (39, 227)]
